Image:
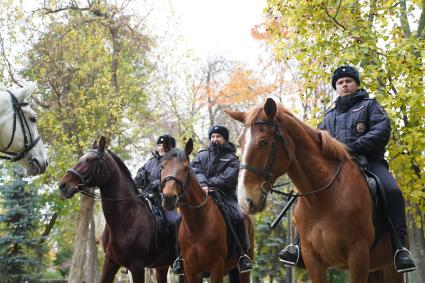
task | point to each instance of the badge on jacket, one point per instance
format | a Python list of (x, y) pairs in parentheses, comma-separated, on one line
[(361, 127)]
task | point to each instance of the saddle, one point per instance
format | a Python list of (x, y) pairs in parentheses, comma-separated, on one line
[(164, 231), (231, 219), (381, 221)]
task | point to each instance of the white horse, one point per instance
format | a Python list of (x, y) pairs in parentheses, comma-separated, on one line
[(19, 138)]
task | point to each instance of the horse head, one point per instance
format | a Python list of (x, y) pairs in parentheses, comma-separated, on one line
[(175, 174), (87, 172), (19, 137), (260, 143)]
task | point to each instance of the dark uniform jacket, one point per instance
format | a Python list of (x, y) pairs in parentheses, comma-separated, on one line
[(361, 123), (148, 176), (218, 167)]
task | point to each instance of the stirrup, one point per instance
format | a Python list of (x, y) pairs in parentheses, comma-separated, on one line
[(287, 250), (248, 263), (179, 271), (406, 268)]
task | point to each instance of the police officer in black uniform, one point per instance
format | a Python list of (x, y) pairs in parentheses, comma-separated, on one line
[(362, 124)]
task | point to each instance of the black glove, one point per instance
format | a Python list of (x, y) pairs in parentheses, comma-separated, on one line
[(142, 179)]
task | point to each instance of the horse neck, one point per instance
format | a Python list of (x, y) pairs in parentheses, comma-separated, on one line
[(195, 195), (309, 168), (116, 210)]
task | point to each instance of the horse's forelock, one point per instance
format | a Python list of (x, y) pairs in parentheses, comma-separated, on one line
[(175, 152)]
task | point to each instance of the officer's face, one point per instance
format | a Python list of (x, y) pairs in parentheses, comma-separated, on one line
[(160, 149), (217, 139), (346, 86)]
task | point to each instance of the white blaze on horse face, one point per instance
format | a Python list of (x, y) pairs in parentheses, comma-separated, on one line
[(242, 173)]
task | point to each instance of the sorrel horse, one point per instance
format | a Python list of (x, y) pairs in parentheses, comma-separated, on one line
[(334, 213), (129, 236), (203, 231), (19, 138)]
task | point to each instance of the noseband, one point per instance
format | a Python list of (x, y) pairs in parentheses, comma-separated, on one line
[(267, 173), (84, 180), (29, 141), (184, 187)]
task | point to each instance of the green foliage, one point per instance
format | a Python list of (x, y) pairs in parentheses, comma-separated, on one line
[(20, 250), (376, 37)]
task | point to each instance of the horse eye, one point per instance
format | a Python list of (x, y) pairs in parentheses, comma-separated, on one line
[(264, 143), (33, 119)]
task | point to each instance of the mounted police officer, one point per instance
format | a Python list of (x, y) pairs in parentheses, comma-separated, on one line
[(362, 124), (148, 180), (216, 169)]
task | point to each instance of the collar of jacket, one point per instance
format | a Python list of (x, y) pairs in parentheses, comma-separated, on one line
[(344, 103)]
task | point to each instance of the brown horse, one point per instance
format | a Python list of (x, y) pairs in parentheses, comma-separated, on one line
[(335, 215), (203, 231), (129, 235)]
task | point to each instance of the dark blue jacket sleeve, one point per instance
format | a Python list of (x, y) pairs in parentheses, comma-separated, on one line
[(228, 179), (378, 135)]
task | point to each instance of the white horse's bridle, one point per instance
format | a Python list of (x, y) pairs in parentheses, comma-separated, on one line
[(29, 140)]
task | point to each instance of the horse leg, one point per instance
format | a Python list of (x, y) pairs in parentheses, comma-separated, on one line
[(358, 264), (217, 273), (191, 276), (109, 270), (138, 273), (234, 276), (392, 276), (161, 274), (376, 277)]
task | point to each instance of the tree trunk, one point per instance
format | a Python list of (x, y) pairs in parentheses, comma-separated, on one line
[(92, 263), (85, 214), (417, 247)]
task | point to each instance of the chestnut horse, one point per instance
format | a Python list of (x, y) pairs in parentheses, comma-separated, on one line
[(203, 231), (334, 216), (129, 235)]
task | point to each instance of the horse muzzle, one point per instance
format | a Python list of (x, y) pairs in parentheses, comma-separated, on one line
[(252, 207), (65, 192), (169, 202)]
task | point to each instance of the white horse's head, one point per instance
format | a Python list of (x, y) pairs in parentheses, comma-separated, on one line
[(19, 138)]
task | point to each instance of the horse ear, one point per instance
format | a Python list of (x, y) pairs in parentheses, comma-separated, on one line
[(166, 145), (25, 92), (102, 143), (270, 108), (188, 147), (237, 115), (95, 145)]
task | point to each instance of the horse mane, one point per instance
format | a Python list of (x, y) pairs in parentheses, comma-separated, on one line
[(124, 168), (330, 147)]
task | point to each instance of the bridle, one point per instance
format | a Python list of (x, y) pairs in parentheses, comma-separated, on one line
[(267, 173), (84, 180), (29, 140), (185, 189)]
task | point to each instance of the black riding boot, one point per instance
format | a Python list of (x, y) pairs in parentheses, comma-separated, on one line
[(291, 254), (403, 259), (244, 262), (177, 266)]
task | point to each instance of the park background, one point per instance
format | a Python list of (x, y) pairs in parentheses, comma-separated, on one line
[(132, 70)]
